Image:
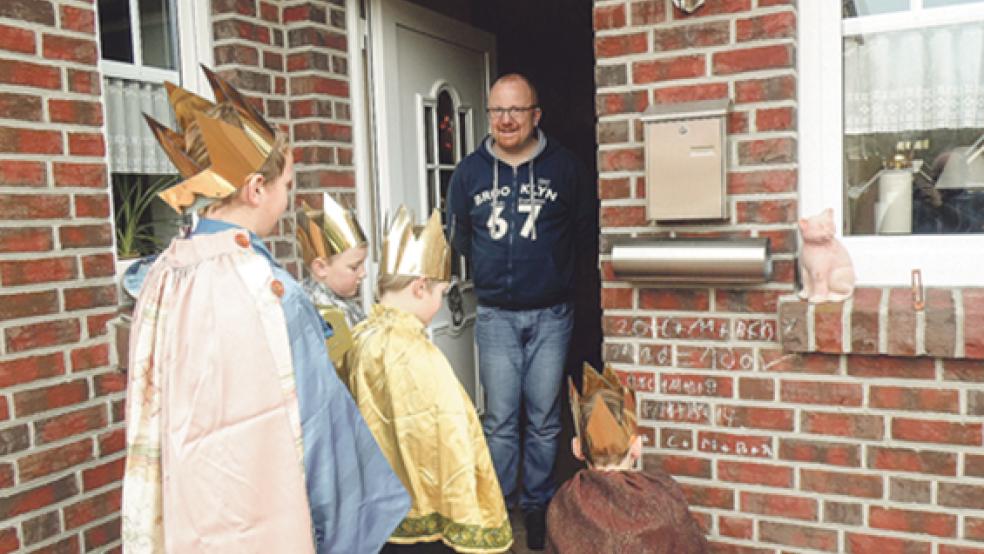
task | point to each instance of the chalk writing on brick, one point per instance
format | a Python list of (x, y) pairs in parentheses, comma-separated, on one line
[(651, 354), (688, 386), (727, 358), (691, 412), (755, 329), (739, 447)]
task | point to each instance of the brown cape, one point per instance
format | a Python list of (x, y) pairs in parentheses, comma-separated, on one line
[(622, 512)]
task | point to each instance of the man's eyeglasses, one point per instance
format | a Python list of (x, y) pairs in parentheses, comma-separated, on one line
[(513, 112)]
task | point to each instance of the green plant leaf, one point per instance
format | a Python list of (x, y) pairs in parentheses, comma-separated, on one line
[(136, 197)]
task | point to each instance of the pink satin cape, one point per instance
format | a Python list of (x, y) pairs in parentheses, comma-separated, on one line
[(214, 455)]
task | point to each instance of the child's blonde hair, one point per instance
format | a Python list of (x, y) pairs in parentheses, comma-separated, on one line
[(396, 283)]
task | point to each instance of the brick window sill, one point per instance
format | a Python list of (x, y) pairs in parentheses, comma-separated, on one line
[(884, 321)]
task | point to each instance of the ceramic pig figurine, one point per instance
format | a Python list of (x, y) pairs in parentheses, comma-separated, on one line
[(825, 266)]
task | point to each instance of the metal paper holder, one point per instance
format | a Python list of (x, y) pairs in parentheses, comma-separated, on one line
[(686, 261)]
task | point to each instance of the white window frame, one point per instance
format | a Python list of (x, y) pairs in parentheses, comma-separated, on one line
[(194, 44), (944, 260)]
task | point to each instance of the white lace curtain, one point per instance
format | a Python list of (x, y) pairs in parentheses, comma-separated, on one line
[(132, 146), (930, 78)]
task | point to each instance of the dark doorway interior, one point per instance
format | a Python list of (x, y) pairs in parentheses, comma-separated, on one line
[(552, 43)]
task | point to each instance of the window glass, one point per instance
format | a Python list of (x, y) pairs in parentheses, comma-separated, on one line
[(115, 38), (463, 133), (914, 130), (432, 189), (942, 3), (861, 8), (429, 134), (157, 34), (445, 181), (445, 128)]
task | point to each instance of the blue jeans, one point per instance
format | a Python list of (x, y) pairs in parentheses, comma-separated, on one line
[(521, 362)]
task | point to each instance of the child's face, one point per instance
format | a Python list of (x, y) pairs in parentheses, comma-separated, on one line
[(343, 272), (276, 196), (432, 298)]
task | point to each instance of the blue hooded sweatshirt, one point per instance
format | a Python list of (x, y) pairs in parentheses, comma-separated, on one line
[(521, 227)]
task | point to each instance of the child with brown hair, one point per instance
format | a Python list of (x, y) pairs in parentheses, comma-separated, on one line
[(240, 438), (416, 408), (611, 507)]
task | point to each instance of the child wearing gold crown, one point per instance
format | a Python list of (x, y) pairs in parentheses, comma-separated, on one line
[(240, 437), (610, 507), (417, 410), (334, 249)]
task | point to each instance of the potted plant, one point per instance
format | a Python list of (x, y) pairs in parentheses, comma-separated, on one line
[(135, 235)]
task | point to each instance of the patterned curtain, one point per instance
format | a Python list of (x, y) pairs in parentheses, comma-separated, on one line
[(132, 146), (930, 78)]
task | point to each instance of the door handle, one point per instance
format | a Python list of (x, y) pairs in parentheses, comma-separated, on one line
[(456, 305)]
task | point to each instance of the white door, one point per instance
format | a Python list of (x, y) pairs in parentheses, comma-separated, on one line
[(430, 78)]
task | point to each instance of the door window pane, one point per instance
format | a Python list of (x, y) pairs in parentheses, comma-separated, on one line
[(445, 127), (463, 142), (445, 182), (429, 134), (433, 200)]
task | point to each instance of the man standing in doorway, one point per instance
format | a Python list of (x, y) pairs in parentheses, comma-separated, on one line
[(520, 208)]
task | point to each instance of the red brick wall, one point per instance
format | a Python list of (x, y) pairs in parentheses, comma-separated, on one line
[(61, 407), (291, 57), (777, 450), (249, 50), (61, 434), (320, 107)]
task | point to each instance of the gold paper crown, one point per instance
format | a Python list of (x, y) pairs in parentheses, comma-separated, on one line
[(422, 253), (326, 232), (604, 435), (234, 152)]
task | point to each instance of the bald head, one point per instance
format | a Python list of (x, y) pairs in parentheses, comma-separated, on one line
[(513, 116), (517, 79)]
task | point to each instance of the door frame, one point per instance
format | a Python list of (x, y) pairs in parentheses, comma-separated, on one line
[(363, 159)]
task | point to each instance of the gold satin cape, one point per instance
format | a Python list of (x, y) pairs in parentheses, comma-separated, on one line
[(427, 428)]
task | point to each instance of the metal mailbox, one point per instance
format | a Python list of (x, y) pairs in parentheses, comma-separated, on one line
[(686, 160)]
